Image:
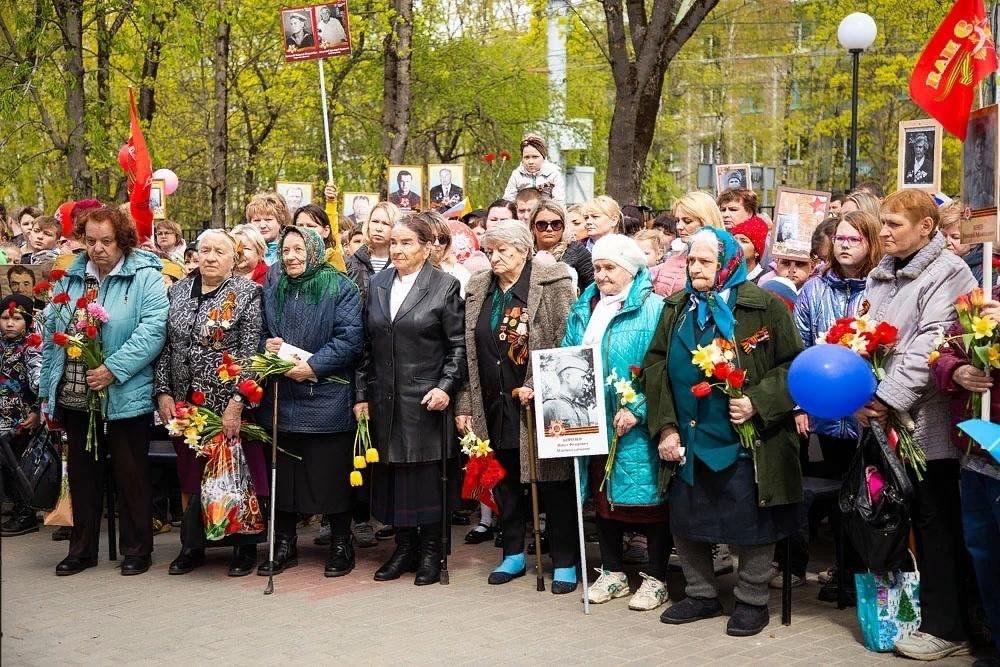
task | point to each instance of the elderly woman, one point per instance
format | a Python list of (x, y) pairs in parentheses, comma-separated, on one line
[(537, 298), (693, 211), (414, 366), (127, 283), (250, 264), (317, 309), (212, 312), (723, 492), (373, 257), (619, 314), (548, 225)]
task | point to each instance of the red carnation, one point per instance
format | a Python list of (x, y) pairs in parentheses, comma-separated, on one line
[(56, 274), (60, 339), (258, 395), (489, 157), (886, 334), (61, 298), (42, 286), (34, 340), (82, 302), (635, 370), (722, 370), (198, 397), (91, 331), (701, 390), (736, 378), (504, 156)]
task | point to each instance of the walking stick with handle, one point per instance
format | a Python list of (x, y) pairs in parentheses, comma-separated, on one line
[(533, 481), (445, 518), (269, 589)]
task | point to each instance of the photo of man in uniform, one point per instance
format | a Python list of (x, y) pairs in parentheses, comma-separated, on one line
[(570, 404), (447, 194), (979, 159), (298, 34), (403, 196)]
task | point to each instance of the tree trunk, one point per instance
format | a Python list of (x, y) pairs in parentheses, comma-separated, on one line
[(151, 62), (220, 131), (396, 79), (105, 37), (70, 13)]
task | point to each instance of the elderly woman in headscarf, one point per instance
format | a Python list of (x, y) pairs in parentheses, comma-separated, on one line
[(619, 314), (723, 492), (517, 307)]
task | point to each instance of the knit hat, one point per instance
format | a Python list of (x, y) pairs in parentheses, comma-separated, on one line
[(536, 142), (784, 289), (754, 229), (621, 250), (21, 304)]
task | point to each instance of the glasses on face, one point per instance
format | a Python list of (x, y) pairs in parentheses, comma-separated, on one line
[(848, 241), (442, 239), (549, 225)]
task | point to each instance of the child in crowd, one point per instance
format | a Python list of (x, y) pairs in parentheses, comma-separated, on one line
[(190, 260), (649, 241), (665, 224), (43, 240), (794, 261), (355, 240)]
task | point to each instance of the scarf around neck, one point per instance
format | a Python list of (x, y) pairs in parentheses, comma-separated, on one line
[(319, 278), (732, 272)]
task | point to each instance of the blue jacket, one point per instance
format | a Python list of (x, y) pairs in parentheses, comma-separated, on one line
[(133, 336), (633, 478), (333, 332), (823, 300)]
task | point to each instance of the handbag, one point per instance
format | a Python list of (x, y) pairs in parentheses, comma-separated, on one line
[(878, 528), (40, 471), (888, 606), (62, 515)]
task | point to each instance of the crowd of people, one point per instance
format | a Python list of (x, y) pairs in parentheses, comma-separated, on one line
[(401, 334)]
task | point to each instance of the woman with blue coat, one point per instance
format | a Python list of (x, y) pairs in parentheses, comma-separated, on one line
[(126, 281), (619, 314), (315, 308)]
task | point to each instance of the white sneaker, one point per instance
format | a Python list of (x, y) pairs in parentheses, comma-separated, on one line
[(922, 646), (776, 581), (651, 594), (722, 559), (609, 585)]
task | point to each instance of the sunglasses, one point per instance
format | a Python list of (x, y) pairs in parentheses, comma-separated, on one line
[(442, 239), (546, 225)]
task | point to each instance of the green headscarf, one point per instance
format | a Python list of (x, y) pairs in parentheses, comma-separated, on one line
[(319, 278)]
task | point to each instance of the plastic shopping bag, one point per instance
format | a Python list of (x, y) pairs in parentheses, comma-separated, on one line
[(228, 500), (888, 607)]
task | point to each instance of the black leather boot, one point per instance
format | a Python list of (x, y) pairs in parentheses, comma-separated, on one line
[(404, 558), (429, 569), (341, 559), (187, 560), (286, 555), (244, 560)]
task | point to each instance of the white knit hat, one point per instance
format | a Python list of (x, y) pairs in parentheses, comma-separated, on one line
[(621, 250)]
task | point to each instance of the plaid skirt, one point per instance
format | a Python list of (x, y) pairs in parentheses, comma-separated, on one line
[(406, 495)]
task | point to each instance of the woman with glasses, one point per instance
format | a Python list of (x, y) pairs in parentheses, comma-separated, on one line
[(441, 256), (548, 225)]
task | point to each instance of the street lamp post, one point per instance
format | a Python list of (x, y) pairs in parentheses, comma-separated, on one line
[(856, 33)]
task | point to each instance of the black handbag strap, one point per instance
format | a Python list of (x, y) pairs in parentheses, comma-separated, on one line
[(895, 464)]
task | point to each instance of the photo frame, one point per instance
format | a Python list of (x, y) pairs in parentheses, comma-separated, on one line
[(919, 155), (355, 200), (295, 194), (569, 393), (312, 32), (445, 186), (21, 279), (732, 176), (980, 188), (798, 212), (158, 198), (406, 186)]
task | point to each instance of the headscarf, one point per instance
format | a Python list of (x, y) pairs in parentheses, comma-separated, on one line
[(732, 271), (318, 279)]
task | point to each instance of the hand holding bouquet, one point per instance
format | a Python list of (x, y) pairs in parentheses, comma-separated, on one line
[(716, 360)]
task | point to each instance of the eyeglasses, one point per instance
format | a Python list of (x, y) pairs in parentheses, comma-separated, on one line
[(849, 241), (442, 239), (547, 225)]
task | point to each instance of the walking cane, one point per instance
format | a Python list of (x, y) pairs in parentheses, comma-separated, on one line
[(445, 518), (274, 491), (533, 481)]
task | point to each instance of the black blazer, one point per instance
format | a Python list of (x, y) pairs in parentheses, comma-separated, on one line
[(423, 348)]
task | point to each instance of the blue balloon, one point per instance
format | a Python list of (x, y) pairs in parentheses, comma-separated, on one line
[(831, 381)]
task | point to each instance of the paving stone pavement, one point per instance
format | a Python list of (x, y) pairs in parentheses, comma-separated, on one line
[(100, 618)]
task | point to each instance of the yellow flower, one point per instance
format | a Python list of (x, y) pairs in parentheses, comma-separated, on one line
[(199, 420), (356, 478), (932, 359), (174, 427), (191, 437), (371, 455), (73, 352), (629, 395), (862, 325), (705, 357), (993, 355), (359, 462), (983, 327)]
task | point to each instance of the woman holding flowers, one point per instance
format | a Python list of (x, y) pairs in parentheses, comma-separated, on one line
[(213, 313), (317, 309), (518, 307), (718, 405), (619, 313), (111, 303)]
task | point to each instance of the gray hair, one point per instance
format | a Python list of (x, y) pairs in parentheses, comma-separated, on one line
[(511, 232), (704, 235)]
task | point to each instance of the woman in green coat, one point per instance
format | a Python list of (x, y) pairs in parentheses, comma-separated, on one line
[(618, 314), (725, 493)]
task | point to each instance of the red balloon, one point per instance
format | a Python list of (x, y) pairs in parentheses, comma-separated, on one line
[(463, 240)]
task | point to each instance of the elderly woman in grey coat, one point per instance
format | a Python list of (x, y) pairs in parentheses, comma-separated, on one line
[(517, 307)]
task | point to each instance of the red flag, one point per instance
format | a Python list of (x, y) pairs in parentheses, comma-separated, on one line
[(134, 160), (960, 55)]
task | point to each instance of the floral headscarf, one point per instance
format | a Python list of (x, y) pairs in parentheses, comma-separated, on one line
[(318, 279), (732, 271)]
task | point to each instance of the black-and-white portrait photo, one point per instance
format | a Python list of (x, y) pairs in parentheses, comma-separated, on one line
[(979, 161), (298, 30), (919, 160), (569, 404), (330, 25), (295, 195), (446, 181), (358, 206), (732, 176)]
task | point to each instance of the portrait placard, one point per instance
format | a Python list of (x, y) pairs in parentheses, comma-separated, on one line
[(797, 213), (979, 177), (729, 176), (21, 279), (358, 205), (445, 186), (569, 400), (919, 155), (316, 31), (406, 186), (158, 199), (295, 195)]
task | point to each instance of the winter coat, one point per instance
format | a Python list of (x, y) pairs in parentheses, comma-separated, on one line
[(576, 256), (671, 275), (919, 301), (633, 479), (776, 459), (549, 180), (422, 348), (332, 330), (133, 336), (550, 296), (822, 301)]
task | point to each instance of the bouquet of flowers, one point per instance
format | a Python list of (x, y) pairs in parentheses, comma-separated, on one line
[(264, 365), (716, 360), (364, 453), (626, 392), (875, 342), (202, 429), (482, 472)]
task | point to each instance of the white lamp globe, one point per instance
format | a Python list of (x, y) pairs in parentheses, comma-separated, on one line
[(857, 31)]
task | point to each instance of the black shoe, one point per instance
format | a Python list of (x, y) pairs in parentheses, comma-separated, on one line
[(828, 593), (747, 620), (689, 610), (286, 555), (187, 560), (133, 565), (403, 559), (460, 518), (244, 560), (74, 565), (20, 524), (62, 533), (545, 545), (429, 568), (475, 536), (564, 587), (341, 559)]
